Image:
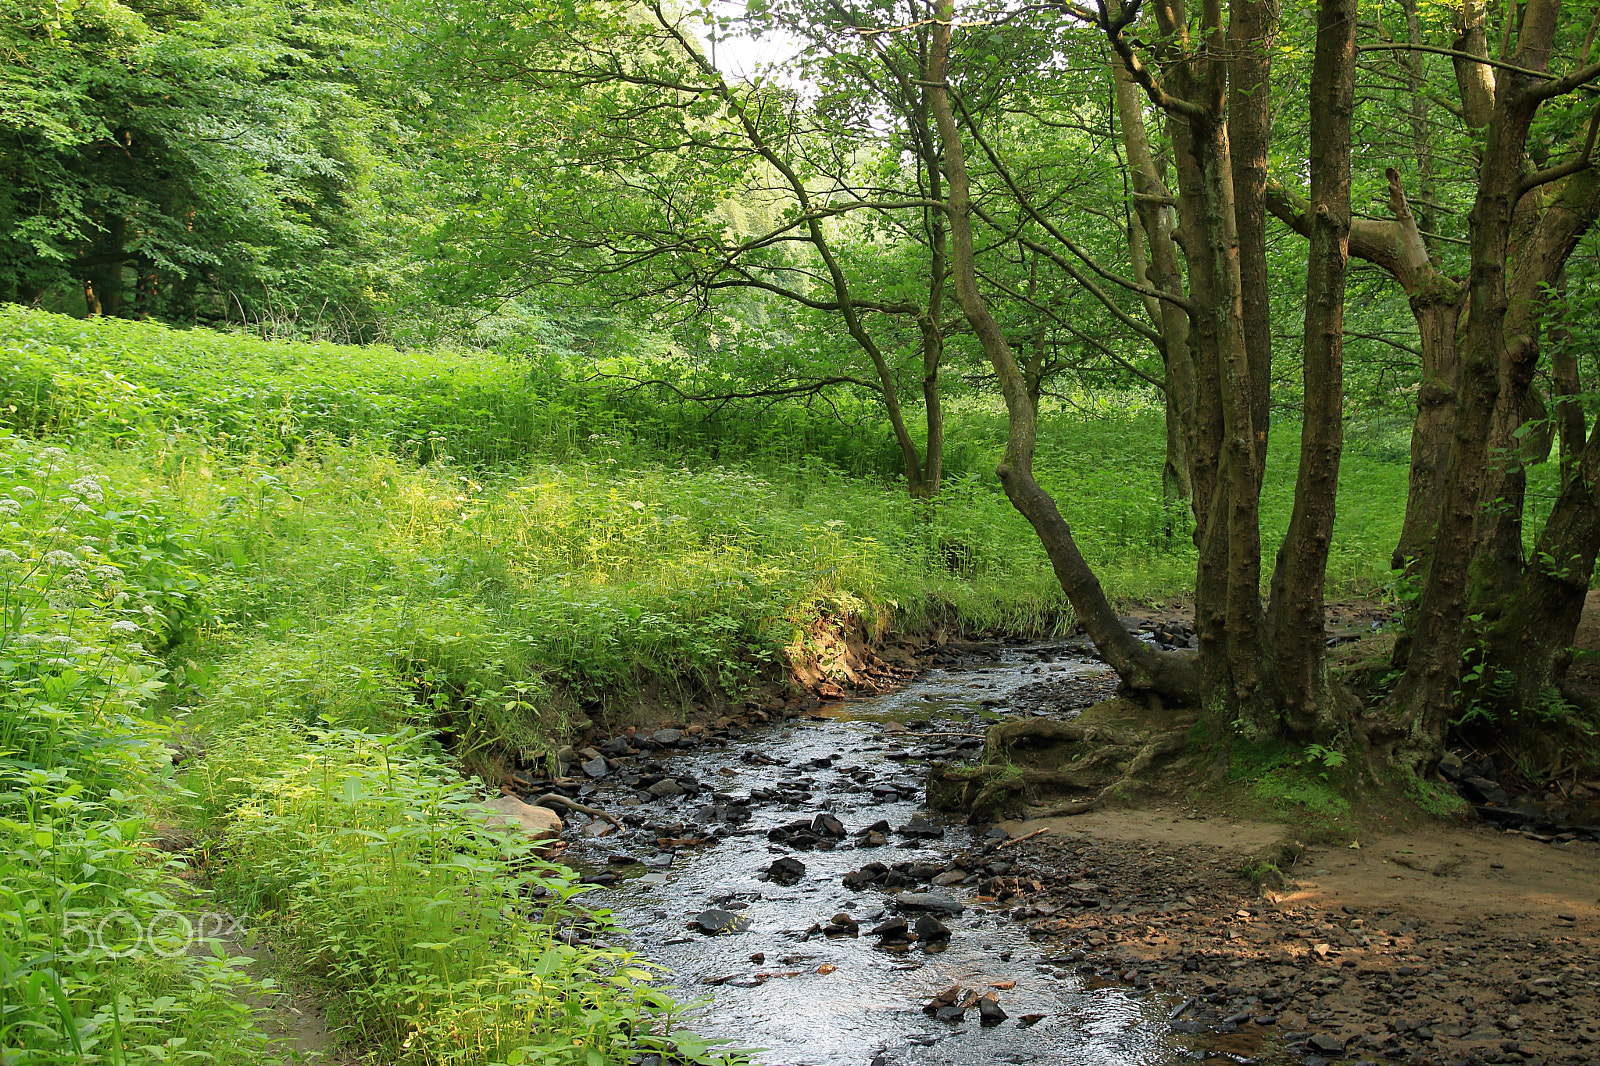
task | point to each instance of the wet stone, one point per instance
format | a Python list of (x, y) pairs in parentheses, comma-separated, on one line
[(665, 787), (717, 921), (989, 1010), (666, 737), (786, 871), (895, 928), (930, 928), (596, 767), (827, 825), (919, 827), (928, 901)]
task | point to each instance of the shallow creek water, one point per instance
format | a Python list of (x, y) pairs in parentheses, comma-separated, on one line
[(869, 1003)]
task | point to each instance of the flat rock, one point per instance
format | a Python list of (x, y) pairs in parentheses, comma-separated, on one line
[(927, 901), (596, 767), (509, 812), (665, 787), (667, 737)]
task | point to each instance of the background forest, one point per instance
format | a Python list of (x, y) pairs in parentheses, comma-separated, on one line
[(392, 393)]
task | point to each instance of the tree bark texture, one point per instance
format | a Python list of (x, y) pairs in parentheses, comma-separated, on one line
[(1297, 609)]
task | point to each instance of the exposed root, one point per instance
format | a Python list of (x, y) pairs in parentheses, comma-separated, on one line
[(1085, 762), (1157, 746)]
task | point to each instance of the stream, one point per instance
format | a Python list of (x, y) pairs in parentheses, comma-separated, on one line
[(778, 982)]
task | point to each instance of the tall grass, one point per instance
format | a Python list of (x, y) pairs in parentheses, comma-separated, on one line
[(321, 568)]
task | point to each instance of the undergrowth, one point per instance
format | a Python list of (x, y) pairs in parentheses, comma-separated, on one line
[(340, 580)]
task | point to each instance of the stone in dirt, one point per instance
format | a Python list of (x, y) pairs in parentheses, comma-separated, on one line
[(716, 920), (666, 737), (786, 871), (509, 812), (927, 901), (616, 747), (1326, 1043)]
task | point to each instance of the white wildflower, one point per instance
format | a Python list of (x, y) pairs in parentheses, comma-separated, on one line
[(108, 573), (62, 559), (60, 662), (89, 488), (149, 611), (9, 556), (67, 501), (124, 626), (83, 508), (23, 492), (9, 506), (52, 453)]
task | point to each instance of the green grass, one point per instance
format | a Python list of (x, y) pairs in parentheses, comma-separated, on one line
[(346, 578)]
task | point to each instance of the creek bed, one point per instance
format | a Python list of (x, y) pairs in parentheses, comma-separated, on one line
[(814, 1000)]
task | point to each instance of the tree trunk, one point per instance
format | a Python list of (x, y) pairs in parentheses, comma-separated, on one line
[(1436, 311), (1424, 697), (1252, 26), (1161, 272), (1139, 665), (1297, 612), (1528, 648)]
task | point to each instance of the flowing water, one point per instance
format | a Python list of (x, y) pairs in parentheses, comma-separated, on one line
[(819, 1001)]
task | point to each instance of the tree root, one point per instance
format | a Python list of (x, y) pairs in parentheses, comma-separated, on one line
[(1161, 744), (990, 789), (552, 801)]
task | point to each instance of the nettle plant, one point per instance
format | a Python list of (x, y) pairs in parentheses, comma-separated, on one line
[(90, 585)]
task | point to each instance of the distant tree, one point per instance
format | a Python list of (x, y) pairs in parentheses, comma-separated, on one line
[(181, 160)]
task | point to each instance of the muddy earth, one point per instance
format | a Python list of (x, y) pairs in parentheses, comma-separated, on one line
[(790, 876)]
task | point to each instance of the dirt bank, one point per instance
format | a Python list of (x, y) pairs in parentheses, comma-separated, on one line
[(1431, 945)]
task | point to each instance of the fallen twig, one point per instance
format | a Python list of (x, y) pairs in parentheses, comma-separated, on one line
[(1026, 836), (553, 800), (1081, 807)]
